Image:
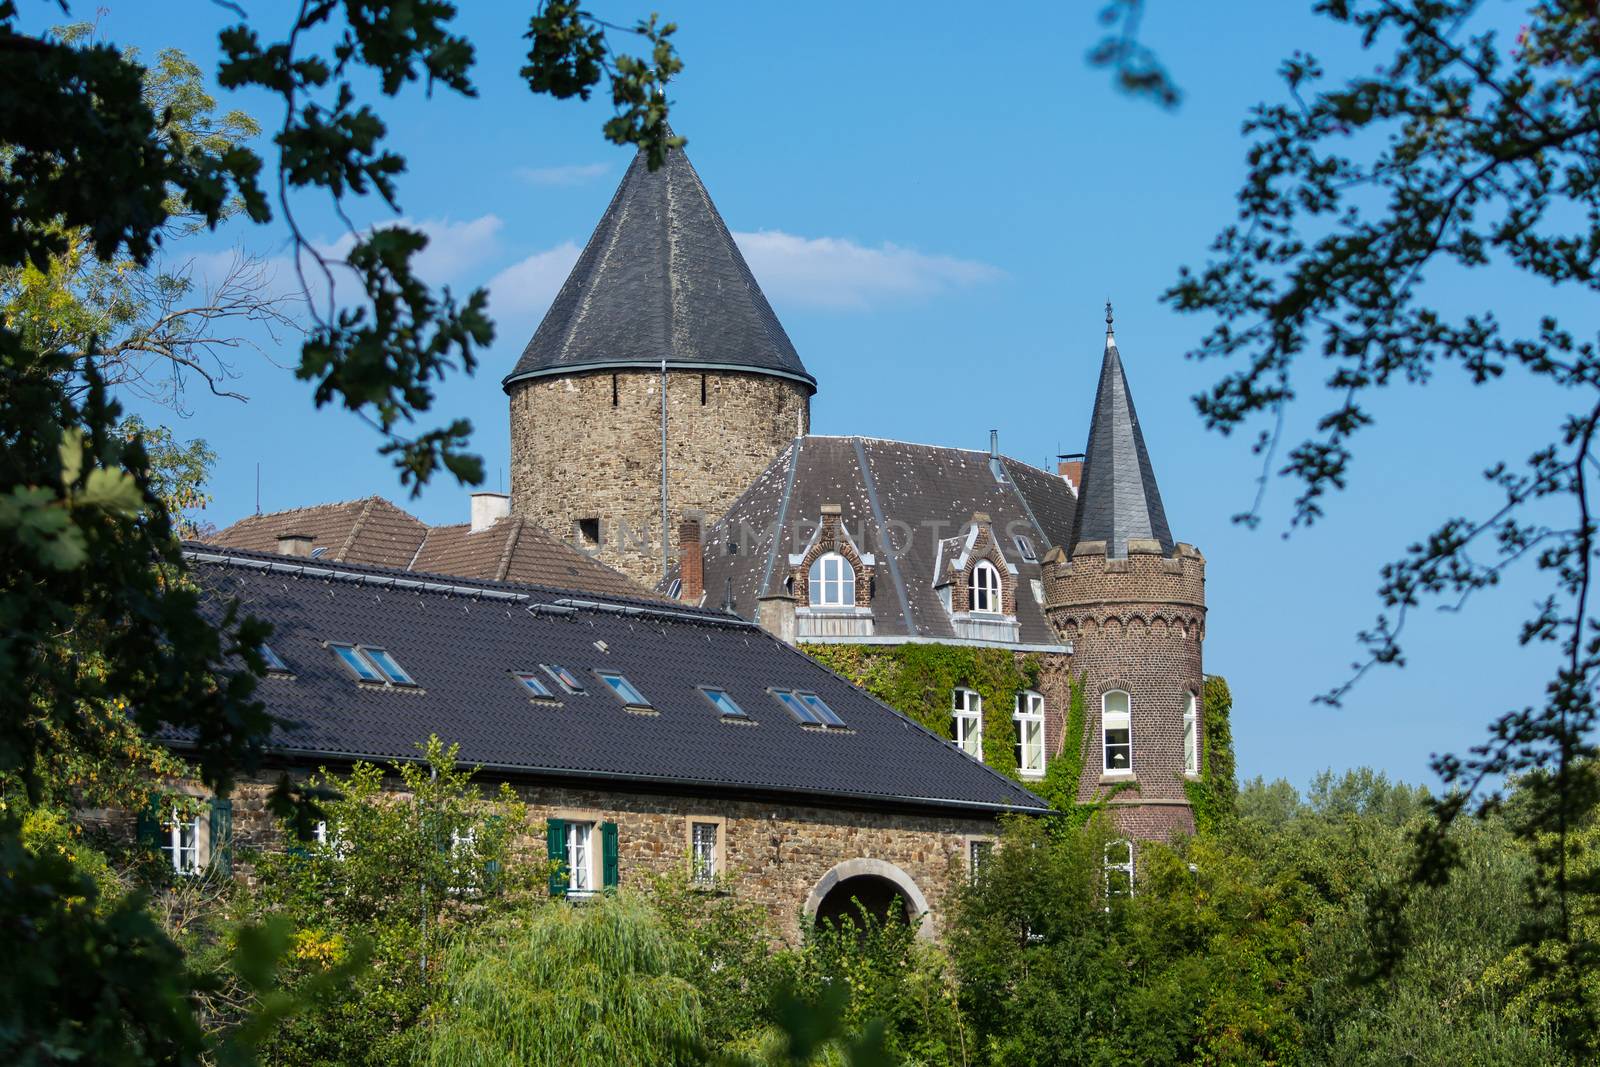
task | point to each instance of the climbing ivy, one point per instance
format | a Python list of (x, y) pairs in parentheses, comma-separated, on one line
[(1213, 796), (917, 680)]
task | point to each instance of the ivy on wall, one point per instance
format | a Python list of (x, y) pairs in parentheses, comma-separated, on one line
[(917, 680), (1213, 796)]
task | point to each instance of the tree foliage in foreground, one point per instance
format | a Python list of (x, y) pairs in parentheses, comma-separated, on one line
[(1465, 149)]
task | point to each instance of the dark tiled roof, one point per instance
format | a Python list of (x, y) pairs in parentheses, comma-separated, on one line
[(923, 493), (374, 531), (661, 278), (460, 642), (1119, 499)]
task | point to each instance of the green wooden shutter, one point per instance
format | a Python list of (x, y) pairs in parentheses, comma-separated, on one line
[(150, 824), (555, 839), (222, 836), (608, 854), (491, 868)]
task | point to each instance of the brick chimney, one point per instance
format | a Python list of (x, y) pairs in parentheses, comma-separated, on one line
[(1070, 468), (691, 559), (294, 544)]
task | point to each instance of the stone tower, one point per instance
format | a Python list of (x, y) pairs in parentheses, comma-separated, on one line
[(1131, 603), (659, 297)]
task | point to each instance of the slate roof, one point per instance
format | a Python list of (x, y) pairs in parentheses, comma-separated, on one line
[(1120, 498), (372, 530), (661, 278), (461, 639), (913, 494)]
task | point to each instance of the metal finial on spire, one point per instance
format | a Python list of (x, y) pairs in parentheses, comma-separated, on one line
[(1108, 314)]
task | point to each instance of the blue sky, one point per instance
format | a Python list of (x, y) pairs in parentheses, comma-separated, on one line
[(938, 201)]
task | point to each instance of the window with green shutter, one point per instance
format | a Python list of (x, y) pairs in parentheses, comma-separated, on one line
[(222, 836), (608, 855), (555, 837)]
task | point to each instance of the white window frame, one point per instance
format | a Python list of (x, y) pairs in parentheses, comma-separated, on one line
[(966, 708), (1118, 866), (836, 591), (980, 850), (579, 848), (1191, 734), (704, 864), (1116, 720), (184, 858), (985, 596), (1029, 717)]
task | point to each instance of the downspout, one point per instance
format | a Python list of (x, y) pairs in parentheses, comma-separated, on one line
[(665, 550)]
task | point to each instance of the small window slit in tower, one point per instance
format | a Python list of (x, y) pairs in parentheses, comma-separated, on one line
[(702, 390), (613, 390)]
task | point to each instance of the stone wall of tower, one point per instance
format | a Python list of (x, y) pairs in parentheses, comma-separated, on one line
[(1135, 624), (588, 447)]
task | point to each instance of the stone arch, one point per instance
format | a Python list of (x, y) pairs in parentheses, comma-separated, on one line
[(872, 873)]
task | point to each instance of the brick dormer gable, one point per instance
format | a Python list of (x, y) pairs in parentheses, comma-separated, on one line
[(958, 557), (831, 535)]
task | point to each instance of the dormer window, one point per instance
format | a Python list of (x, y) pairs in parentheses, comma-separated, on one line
[(832, 582), (985, 588)]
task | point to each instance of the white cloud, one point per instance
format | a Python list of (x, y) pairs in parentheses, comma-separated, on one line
[(524, 290), (835, 272), (454, 248), (570, 174)]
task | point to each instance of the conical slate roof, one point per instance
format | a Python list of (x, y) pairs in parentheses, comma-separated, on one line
[(1119, 498), (661, 278)]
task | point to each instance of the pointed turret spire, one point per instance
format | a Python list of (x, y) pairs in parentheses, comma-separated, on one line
[(1119, 499), (661, 279)]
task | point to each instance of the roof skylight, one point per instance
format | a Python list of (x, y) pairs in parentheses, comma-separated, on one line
[(392, 671), (724, 703), (533, 684), (820, 708), (275, 664), (796, 708), (1025, 546), (624, 689), (565, 678), (371, 664), (358, 664)]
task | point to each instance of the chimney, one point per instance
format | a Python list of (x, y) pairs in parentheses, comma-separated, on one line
[(994, 444), (294, 544), (488, 509), (691, 559), (1070, 468)]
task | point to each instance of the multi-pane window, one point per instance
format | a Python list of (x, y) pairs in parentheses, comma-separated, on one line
[(371, 664), (832, 582), (1117, 730), (967, 710), (564, 678), (1191, 735), (703, 852), (1119, 869), (978, 857), (180, 842), (534, 685), (625, 690), (986, 588), (723, 702), (1029, 717), (580, 876)]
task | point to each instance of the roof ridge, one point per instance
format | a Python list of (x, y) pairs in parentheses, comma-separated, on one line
[(513, 536), (355, 528)]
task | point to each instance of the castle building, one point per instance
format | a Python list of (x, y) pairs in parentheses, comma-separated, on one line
[(659, 381), (673, 523)]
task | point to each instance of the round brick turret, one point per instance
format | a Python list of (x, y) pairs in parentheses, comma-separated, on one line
[(1135, 625), (586, 452)]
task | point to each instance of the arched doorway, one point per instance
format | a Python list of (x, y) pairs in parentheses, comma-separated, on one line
[(879, 886)]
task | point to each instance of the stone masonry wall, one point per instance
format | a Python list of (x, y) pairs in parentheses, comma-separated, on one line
[(576, 455), (1136, 624), (777, 853)]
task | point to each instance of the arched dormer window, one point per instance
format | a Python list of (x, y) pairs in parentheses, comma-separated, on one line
[(1116, 727), (985, 588), (832, 582)]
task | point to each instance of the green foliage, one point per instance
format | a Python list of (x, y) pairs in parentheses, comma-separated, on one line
[(1064, 773), (596, 983), (917, 680), (1214, 796), (402, 873)]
